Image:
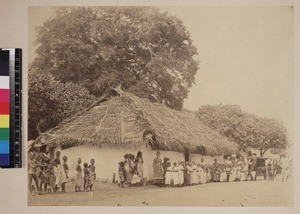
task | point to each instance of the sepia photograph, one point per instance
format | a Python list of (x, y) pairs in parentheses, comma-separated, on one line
[(160, 106)]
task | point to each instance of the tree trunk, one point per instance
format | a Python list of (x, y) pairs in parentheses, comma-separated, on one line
[(261, 152)]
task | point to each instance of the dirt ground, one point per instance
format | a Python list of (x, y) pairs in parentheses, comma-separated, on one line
[(248, 193)]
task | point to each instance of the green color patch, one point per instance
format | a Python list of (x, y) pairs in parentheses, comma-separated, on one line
[(4, 134)]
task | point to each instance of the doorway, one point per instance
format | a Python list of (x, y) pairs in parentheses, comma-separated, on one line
[(187, 156)]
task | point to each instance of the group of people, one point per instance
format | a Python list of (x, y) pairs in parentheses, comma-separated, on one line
[(177, 174), (47, 175), (130, 170)]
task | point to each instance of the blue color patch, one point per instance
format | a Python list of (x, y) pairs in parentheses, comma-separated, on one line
[(4, 160), (4, 146)]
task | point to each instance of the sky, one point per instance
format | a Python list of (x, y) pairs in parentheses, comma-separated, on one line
[(245, 55)]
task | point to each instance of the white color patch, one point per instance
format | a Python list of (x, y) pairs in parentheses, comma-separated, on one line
[(4, 82)]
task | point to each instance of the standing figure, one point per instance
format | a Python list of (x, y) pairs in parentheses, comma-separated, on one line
[(208, 174), (92, 175), (134, 179), (121, 172), (128, 168), (180, 173), (175, 175), (57, 170), (223, 173), (86, 177), (239, 167), (78, 176), (216, 171), (233, 169), (158, 175), (165, 165), (51, 177), (228, 166), (32, 166), (47, 183), (139, 164), (194, 176), (198, 173), (203, 172), (168, 176), (189, 170), (252, 164), (64, 177)]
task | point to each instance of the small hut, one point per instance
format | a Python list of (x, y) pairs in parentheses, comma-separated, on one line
[(121, 123)]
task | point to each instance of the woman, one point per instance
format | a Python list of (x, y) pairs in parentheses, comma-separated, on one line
[(57, 170), (64, 177), (168, 176), (181, 173), (158, 175), (165, 164), (139, 164), (194, 174), (128, 168)]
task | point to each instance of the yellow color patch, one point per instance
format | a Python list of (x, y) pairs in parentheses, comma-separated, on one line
[(4, 121)]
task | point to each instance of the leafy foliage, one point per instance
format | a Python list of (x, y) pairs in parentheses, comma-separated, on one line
[(146, 51), (248, 130), (51, 101)]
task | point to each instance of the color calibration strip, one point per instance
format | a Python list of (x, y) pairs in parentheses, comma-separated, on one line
[(4, 108), (10, 107)]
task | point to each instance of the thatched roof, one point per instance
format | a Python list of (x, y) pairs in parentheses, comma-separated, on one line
[(123, 120)]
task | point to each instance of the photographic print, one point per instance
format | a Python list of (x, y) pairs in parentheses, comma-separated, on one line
[(160, 106)]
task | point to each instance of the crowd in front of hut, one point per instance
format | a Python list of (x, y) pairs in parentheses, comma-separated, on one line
[(50, 175), (234, 168), (180, 173)]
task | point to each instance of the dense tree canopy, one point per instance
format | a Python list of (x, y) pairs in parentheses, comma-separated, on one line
[(146, 51), (248, 130), (51, 101)]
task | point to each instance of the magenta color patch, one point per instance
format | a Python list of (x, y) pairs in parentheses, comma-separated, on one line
[(4, 95)]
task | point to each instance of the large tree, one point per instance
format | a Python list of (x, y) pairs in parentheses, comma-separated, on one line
[(247, 130), (146, 51)]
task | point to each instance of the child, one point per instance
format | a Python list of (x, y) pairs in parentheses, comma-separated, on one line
[(65, 177), (46, 174), (78, 176), (121, 172), (92, 170), (175, 175), (86, 177), (41, 176)]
